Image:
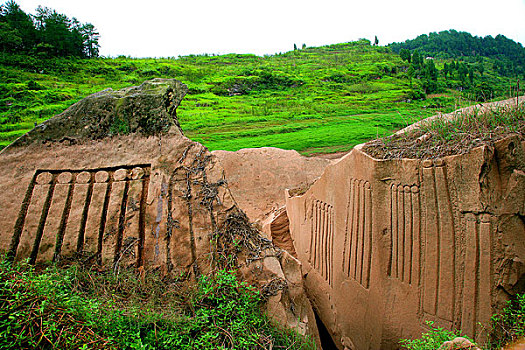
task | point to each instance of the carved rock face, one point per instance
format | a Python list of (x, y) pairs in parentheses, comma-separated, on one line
[(390, 244), (74, 189)]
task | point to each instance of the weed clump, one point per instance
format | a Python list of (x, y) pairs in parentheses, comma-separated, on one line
[(459, 134), (81, 308), (507, 327)]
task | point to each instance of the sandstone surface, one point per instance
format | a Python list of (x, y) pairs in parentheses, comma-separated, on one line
[(387, 245), (113, 182), (258, 177)]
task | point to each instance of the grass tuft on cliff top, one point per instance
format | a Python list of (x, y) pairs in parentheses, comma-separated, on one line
[(458, 134)]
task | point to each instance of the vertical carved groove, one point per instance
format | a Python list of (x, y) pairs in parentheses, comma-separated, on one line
[(470, 279), (42, 222), (323, 252), (318, 234), (446, 283), (408, 235), (394, 232), (485, 272), (171, 223), (348, 232), (361, 234), (368, 236), (63, 220), (331, 248), (355, 242), (142, 218), (401, 232), (85, 212), (121, 222), (313, 224), (103, 218), (416, 224), (20, 221), (432, 241)]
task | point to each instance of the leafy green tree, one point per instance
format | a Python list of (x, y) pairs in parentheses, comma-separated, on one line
[(471, 75), (405, 55), (446, 70), (430, 76), (90, 38), (462, 72), (47, 33), (417, 59), (481, 68), (10, 39), (19, 25), (376, 41)]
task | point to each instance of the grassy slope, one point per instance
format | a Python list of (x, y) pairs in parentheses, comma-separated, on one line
[(324, 99)]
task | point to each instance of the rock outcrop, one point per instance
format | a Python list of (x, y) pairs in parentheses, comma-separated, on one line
[(112, 181), (387, 245)]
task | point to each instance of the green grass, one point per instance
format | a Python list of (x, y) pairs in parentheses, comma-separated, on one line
[(320, 99), (78, 308)]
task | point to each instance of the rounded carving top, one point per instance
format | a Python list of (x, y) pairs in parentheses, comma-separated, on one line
[(83, 177), (137, 173), (44, 178), (101, 176), (65, 177), (120, 175)]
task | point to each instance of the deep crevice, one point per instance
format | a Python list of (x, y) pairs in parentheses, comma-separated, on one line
[(327, 343)]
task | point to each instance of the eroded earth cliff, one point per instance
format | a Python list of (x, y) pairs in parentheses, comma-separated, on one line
[(113, 182)]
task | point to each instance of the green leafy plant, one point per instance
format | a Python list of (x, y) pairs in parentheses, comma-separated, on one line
[(510, 324), (430, 340), (80, 308)]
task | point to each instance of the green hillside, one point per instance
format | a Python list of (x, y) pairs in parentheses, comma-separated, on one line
[(322, 99)]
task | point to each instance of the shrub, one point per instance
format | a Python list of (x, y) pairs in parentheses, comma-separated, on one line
[(78, 308), (430, 340)]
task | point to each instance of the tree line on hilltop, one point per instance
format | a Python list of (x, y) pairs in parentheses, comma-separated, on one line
[(509, 55), (46, 33)]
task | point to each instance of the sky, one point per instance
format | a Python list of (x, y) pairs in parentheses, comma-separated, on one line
[(172, 28)]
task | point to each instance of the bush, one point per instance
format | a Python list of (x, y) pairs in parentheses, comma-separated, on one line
[(77, 308), (510, 324), (430, 340)]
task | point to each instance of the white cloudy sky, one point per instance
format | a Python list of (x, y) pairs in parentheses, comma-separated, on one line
[(158, 28)]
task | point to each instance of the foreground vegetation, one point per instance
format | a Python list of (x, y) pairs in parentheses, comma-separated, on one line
[(319, 99), (507, 327), (80, 308)]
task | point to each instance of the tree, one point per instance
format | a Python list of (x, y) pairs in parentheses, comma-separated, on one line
[(376, 41), (295, 47), (430, 76), (417, 59), (20, 25), (47, 32), (446, 70), (405, 55), (471, 75), (304, 46)]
